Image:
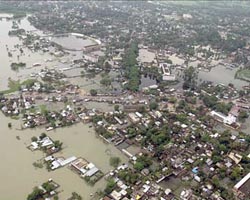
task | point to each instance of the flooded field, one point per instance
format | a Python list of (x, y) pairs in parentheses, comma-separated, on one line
[(175, 59), (146, 56), (8, 43), (146, 82), (73, 42), (222, 75)]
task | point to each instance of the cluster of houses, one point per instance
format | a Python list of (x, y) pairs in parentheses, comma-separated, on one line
[(13, 105), (46, 144), (191, 153), (86, 170), (47, 190)]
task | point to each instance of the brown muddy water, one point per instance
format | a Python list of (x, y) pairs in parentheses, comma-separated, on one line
[(17, 174)]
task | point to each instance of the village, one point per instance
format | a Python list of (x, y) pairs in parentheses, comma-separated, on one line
[(185, 137)]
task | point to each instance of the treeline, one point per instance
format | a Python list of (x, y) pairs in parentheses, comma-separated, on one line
[(132, 71), (16, 32)]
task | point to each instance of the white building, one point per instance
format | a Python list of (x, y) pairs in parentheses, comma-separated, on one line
[(166, 73), (230, 119)]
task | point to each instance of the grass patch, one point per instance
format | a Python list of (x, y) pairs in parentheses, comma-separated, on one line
[(15, 117), (43, 108), (243, 74)]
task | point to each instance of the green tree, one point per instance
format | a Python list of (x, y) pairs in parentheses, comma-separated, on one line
[(153, 105), (36, 194), (111, 184), (243, 115), (114, 161), (34, 139), (93, 92), (116, 107), (190, 78)]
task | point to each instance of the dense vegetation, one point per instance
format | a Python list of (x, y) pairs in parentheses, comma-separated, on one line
[(16, 66), (132, 71)]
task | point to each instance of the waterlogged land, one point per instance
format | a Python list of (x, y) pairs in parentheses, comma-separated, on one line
[(221, 75), (17, 170), (72, 42), (167, 127), (29, 57)]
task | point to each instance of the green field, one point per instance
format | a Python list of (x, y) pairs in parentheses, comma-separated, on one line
[(243, 74)]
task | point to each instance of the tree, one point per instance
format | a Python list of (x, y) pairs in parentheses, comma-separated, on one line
[(111, 184), (223, 107), (138, 166), (56, 197), (9, 124), (142, 109), (75, 196), (58, 144), (116, 107), (107, 67), (43, 135), (190, 78), (142, 162), (132, 71), (82, 73), (114, 161), (235, 173), (93, 92), (153, 105), (215, 182), (128, 176), (106, 81), (243, 115), (48, 186), (210, 101), (34, 139), (36, 194)]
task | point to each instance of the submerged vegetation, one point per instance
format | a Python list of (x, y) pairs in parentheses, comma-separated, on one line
[(15, 86), (243, 74), (17, 66)]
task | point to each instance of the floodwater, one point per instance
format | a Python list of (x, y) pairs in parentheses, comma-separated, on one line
[(72, 42), (175, 59), (146, 56), (222, 75), (8, 44), (146, 82), (18, 175)]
